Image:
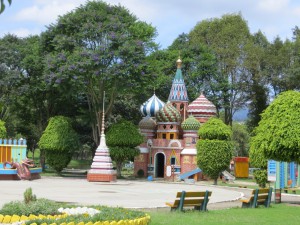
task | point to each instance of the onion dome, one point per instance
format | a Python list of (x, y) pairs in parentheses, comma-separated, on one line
[(168, 114), (147, 123), (202, 107), (190, 124), (178, 90), (151, 106)]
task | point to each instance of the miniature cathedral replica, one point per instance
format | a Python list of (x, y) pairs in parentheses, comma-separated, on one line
[(102, 168), (171, 132)]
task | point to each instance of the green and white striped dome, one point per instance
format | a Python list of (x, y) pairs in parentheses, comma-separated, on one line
[(190, 124), (168, 114)]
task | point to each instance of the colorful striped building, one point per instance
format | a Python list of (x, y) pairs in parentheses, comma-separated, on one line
[(170, 132)]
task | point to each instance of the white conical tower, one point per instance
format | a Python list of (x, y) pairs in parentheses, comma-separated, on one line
[(102, 168)]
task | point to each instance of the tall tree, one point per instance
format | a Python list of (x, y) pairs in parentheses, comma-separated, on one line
[(256, 67), (294, 67), (198, 68), (98, 47), (10, 72), (227, 38), (240, 137), (278, 61)]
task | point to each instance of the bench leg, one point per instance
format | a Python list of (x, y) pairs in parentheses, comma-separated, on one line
[(268, 200), (180, 206)]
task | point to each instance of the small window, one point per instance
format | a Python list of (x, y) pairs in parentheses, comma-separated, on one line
[(164, 136), (171, 126), (181, 107), (171, 136), (164, 126), (194, 141), (173, 160)]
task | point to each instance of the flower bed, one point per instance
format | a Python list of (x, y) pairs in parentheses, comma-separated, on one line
[(33, 211), (82, 216)]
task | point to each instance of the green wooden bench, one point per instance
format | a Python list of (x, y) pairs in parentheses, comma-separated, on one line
[(260, 196), (293, 190), (196, 199)]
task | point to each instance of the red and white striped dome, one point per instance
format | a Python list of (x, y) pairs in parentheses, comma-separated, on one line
[(202, 109)]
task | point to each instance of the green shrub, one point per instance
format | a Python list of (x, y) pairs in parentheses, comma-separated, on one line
[(213, 156), (107, 214), (58, 160), (59, 141), (261, 177), (28, 196), (215, 129), (40, 206)]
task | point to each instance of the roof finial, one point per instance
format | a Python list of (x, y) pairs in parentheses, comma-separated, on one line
[(179, 62), (103, 115), (154, 90)]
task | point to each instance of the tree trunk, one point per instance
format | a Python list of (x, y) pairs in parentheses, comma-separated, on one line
[(42, 159), (119, 169), (216, 181)]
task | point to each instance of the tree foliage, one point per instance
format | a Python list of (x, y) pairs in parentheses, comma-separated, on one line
[(227, 38), (59, 141), (240, 137), (214, 156), (2, 5), (257, 68), (278, 133), (2, 129), (215, 129), (95, 48), (123, 139), (214, 150)]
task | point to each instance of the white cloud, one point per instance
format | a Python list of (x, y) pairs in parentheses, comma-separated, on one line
[(272, 5), (171, 17), (21, 32), (296, 11), (45, 12)]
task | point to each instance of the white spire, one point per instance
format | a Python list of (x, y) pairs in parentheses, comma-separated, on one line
[(102, 164)]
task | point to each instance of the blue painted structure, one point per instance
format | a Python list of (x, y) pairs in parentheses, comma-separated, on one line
[(188, 174), (287, 175), (14, 150)]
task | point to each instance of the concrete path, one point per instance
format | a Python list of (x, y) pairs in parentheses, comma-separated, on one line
[(123, 193)]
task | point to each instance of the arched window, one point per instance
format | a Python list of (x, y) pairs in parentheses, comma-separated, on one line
[(173, 160)]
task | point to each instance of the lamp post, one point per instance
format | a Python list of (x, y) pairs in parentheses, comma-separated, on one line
[(149, 144)]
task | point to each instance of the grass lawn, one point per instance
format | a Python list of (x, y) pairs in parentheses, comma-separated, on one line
[(276, 214)]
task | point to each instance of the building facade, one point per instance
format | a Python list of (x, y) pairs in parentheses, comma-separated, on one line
[(170, 132)]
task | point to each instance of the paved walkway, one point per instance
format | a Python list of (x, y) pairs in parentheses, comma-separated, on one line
[(123, 193)]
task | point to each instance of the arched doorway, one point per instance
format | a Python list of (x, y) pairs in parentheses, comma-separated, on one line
[(160, 165)]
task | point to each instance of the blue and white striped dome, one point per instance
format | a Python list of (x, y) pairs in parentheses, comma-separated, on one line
[(151, 106)]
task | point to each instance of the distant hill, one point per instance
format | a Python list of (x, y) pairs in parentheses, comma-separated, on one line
[(240, 115)]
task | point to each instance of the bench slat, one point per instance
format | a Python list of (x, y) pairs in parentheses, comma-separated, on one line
[(195, 199), (260, 196)]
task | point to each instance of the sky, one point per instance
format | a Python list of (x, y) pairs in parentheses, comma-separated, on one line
[(170, 17)]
